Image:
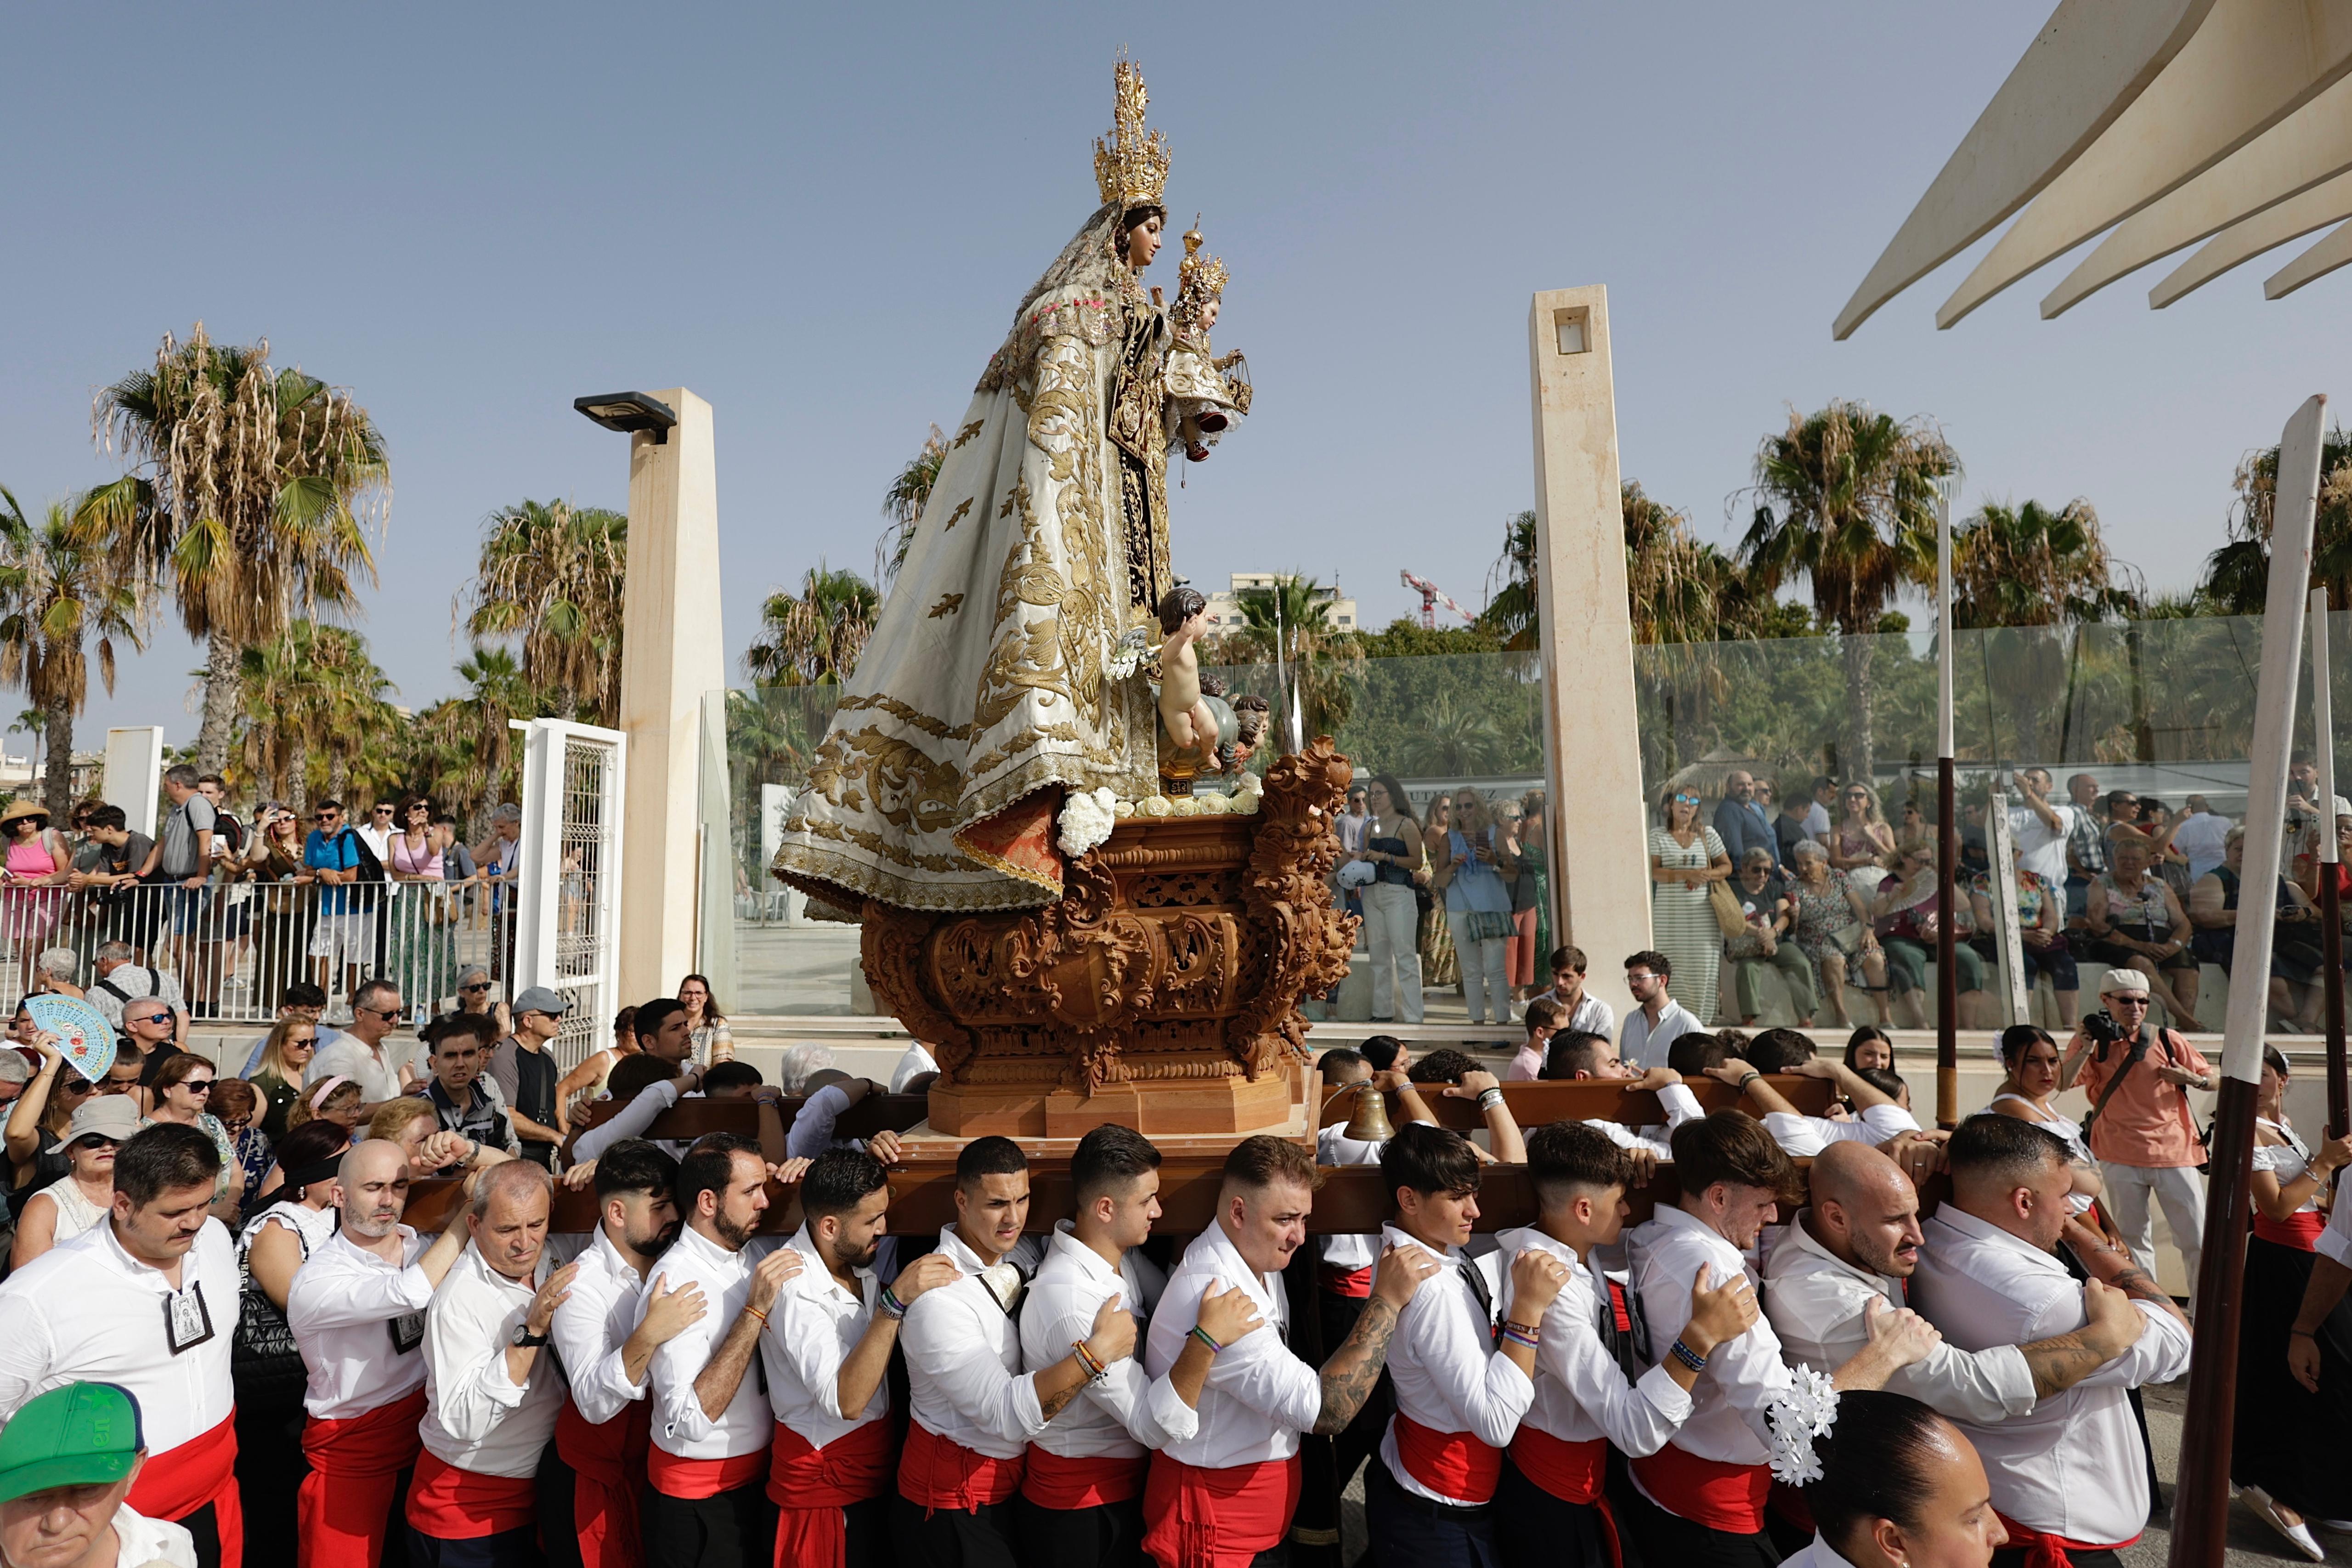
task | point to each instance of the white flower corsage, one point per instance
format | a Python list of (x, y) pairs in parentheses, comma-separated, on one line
[(1087, 820), (1126, 655), (1807, 1409)]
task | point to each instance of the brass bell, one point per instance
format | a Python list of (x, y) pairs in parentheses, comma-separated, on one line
[(1369, 1124)]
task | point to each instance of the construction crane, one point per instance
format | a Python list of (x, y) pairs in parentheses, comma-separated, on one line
[(1432, 596)]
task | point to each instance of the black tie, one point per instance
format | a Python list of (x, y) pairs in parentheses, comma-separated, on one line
[(1475, 1278)]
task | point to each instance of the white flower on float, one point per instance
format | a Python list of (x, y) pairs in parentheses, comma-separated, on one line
[(1087, 820)]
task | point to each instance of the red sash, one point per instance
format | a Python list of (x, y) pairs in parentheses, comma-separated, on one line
[(935, 1473), (1573, 1472), (1195, 1517), (1454, 1465), (178, 1481), (2299, 1230), (344, 1505), (1729, 1498), (1354, 1283), (673, 1477), (2045, 1551), (607, 1458), (810, 1486), (450, 1504), (1054, 1482)]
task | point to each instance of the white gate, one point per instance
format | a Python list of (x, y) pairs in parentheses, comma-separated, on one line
[(568, 917)]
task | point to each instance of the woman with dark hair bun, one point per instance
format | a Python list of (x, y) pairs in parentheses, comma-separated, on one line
[(1870, 1046), (1899, 1487)]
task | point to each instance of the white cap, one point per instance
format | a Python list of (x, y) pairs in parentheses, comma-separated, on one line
[(2124, 982)]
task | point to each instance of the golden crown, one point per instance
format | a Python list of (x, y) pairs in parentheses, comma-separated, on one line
[(1199, 279), (1131, 168)]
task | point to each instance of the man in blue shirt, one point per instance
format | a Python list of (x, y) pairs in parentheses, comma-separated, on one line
[(1740, 823), (344, 931)]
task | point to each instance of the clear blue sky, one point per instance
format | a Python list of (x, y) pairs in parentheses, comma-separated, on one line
[(820, 221)]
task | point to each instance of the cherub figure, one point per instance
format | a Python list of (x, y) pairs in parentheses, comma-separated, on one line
[(1184, 711), (1205, 393)]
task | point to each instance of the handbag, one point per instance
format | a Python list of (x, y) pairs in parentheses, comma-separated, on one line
[(265, 1365), (1729, 916)]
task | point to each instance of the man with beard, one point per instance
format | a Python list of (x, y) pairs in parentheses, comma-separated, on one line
[(357, 1311), (1857, 1243), (492, 1398), (706, 1506), (606, 1333), (825, 1350)]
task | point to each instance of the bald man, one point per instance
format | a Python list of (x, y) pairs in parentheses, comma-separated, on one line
[(1859, 1239)]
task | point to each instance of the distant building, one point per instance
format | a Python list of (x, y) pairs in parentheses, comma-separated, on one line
[(1226, 608)]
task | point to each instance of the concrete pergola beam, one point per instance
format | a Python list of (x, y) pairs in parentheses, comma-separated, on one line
[(2326, 203), (2251, 65), (2310, 267), (2309, 148)]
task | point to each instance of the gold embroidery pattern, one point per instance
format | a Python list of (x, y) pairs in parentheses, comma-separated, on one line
[(958, 515), (967, 432), (948, 605)]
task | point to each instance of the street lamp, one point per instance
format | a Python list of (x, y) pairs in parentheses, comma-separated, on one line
[(630, 411)]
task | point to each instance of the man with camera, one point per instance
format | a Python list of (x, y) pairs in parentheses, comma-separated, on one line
[(2142, 1128)]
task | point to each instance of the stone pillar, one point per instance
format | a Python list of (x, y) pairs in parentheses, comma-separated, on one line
[(1592, 754), (673, 656), (134, 775)]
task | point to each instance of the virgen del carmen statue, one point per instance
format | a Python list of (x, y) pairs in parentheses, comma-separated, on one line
[(1073, 886)]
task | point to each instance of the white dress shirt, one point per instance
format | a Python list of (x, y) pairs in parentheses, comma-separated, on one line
[(1743, 1376), (1803, 1135), (811, 1133), (1644, 1044), (1592, 1016), (1259, 1398), (2039, 848), (376, 1069), (1819, 1305), (811, 1329), (2334, 1241), (631, 1122), (475, 1417), (87, 1311), (1443, 1361), (1680, 1105), (964, 1381), (1580, 1391), (2072, 1465), (913, 1065), (593, 1322), (1334, 1147), (345, 1308), (141, 1542), (1819, 1553), (1128, 1411), (681, 1426)]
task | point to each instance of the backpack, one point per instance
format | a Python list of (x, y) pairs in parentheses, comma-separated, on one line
[(370, 869), (230, 831)]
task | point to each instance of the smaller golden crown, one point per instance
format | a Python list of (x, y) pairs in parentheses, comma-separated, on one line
[(1131, 168), (1199, 279)]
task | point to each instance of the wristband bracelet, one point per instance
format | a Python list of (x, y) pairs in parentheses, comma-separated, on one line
[(1202, 1334), (1526, 1334), (2301, 1333), (1687, 1356), (1489, 1098), (890, 1304), (1094, 1369), (750, 1311), (1751, 1078)]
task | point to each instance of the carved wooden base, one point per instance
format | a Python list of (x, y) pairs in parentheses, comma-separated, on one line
[(1161, 993)]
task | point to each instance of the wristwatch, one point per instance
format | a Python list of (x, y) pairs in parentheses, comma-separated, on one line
[(525, 1340)]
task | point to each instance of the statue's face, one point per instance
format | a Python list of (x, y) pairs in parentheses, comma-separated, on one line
[(1143, 242), (1208, 314)]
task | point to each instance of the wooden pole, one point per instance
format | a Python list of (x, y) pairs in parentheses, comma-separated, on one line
[(2331, 911), (1947, 842), (2201, 1500)]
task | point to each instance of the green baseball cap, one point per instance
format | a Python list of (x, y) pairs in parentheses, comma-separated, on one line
[(85, 1433)]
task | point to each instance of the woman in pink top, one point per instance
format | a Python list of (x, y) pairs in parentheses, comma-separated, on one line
[(38, 862), (420, 950)]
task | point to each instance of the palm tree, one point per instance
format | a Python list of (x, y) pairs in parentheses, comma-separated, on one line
[(251, 492), (903, 503), (319, 720), (1324, 662), (2237, 575), (59, 591), (1846, 498), (554, 575), (1511, 611), (277, 679), (2031, 570), (814, 637)]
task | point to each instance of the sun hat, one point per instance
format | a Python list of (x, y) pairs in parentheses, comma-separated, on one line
[(19, 809), (85, 1433), (103, 1116), (2130, 982)]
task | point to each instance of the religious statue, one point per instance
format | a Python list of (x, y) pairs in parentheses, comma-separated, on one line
[(987, 689), (1200, 730), (1206, 395)]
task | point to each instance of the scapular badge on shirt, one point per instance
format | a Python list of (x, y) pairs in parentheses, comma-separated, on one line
[(187, 1322), (408, 1332), (1007, 1284)]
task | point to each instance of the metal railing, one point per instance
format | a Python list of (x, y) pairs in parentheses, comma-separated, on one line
[(236, 947)]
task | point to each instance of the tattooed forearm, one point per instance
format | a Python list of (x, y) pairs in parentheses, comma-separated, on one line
[(2134, 1282), (1052, 1405), (1350, 1374), (2058, 1364)]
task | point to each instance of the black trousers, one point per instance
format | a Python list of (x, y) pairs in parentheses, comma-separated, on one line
[(1110, 1536), (867, 1544), (2014, 1557), (1411, 1531), (950, 1537), (1669, 1539), (508, 1549), (269, 1471), (1534, 1529), (724, 1532), (1328, 1464), (557, 1484)]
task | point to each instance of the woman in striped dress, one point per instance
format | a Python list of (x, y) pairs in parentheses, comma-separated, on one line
[(1686, 857)]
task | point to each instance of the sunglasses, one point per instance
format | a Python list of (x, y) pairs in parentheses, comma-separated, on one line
[(2126, 1001), (307, 1043), (484, 985), (153, 1018), (386, 1013), (75, 1086), (1686, 800), (384, 811), (196, 1085), (326, 816)]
